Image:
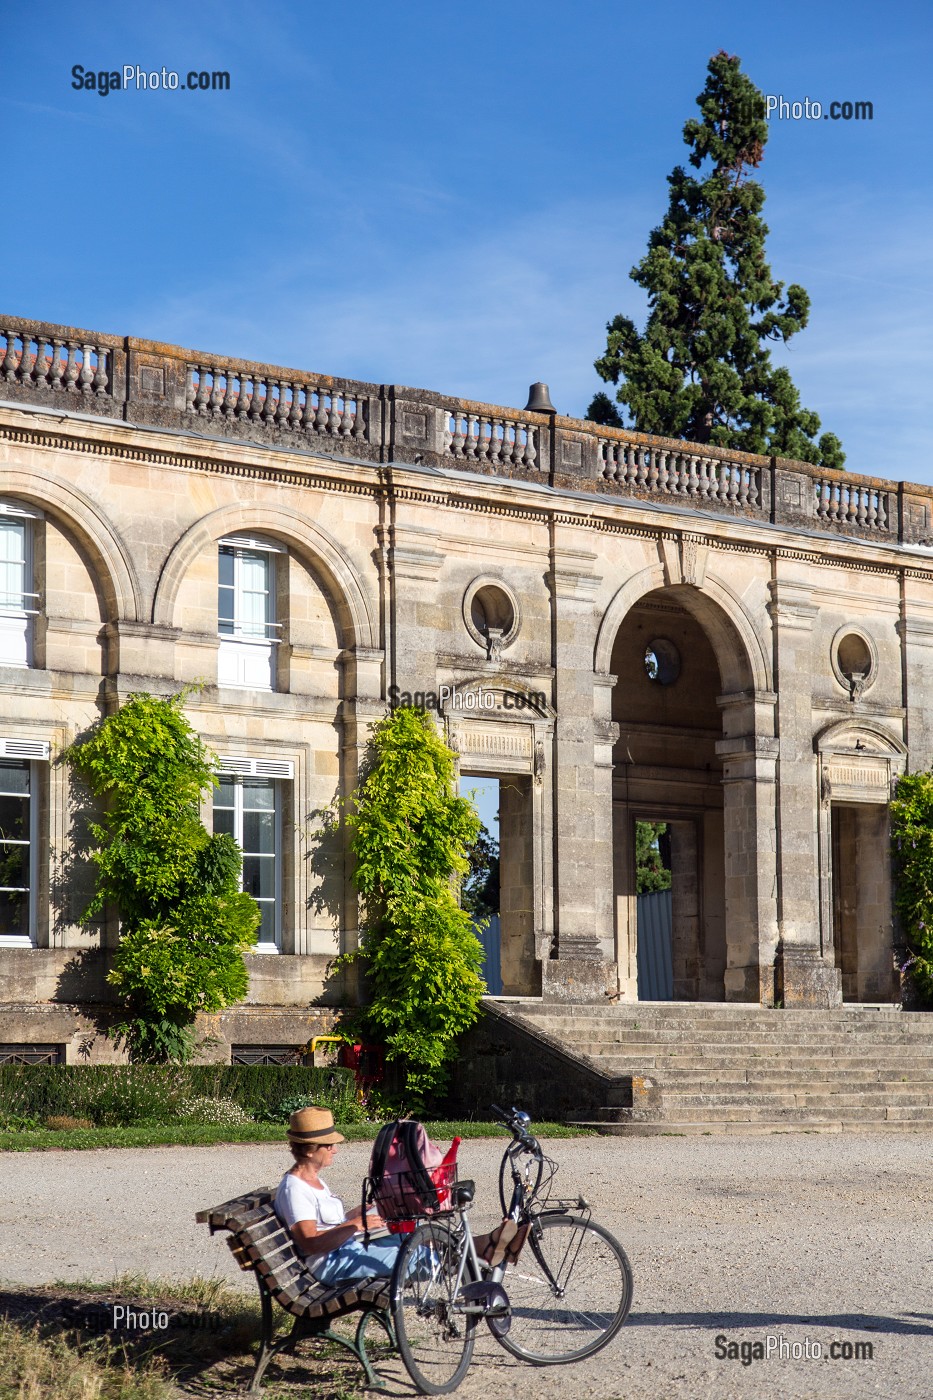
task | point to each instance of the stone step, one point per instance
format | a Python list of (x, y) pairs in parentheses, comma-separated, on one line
[(674, 1100), (817, 1066), (715, 1128), (724, 1068), (772, 1113), (733, 1035), (712, 1032), (700, 1010), (738, 1078)]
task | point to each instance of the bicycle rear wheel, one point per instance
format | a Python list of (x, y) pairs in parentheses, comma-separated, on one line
[(436, 1334), (570, 1291)]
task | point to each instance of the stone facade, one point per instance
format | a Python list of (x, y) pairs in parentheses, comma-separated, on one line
[(621, 627)]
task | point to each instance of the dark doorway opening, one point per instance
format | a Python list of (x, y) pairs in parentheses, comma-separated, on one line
[(861, 887)]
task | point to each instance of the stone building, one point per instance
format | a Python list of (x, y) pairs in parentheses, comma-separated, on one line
[(618, 627)]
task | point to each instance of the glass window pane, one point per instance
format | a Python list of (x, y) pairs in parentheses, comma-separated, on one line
[(14, 777), (14, 912), (14, 867), (12, 585), (266, 932), (225, 566), (223, 822), (12, 541), (259, 833), (259, 876), (224, 792), (225, 609), (258, 795), (14, 818), (254, 572)]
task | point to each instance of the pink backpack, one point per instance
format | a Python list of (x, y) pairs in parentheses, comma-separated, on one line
[(409, 1177)]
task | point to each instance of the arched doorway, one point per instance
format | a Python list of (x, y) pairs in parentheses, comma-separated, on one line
[(690, 759)]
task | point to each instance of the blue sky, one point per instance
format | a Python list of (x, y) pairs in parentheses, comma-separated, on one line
[(451, 196)]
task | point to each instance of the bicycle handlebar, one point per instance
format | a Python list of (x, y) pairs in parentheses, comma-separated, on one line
[(516, 1122)]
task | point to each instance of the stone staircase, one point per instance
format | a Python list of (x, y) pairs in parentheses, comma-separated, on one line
[(687, 1067)]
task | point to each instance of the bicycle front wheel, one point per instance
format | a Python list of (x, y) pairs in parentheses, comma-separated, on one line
[(436, 1334), (570, 1291)]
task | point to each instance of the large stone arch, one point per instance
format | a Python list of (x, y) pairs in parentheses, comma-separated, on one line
[(319, 550), (743, 657), (724, 918), (83, 519)]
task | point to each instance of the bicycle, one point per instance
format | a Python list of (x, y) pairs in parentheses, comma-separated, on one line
[(567, 1295)]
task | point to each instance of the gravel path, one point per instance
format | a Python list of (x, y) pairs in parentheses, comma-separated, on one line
[(825, 1238)]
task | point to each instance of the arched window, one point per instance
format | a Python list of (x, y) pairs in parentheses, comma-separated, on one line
[(18, 596), (246, 621)]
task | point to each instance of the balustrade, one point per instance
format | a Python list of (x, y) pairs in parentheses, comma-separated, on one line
[(95, 373), (215, 392), (846, 502), (496, 441), (42, 362), (689, 475)]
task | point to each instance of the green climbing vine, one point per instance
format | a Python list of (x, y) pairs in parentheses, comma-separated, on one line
[(184, 923), (418, 948), (912, 852)]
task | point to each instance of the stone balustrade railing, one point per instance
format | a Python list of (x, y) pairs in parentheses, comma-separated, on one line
[(163, 386)]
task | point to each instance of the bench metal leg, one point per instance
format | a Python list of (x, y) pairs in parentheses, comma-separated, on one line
[(305, 1327), (266, 1348)]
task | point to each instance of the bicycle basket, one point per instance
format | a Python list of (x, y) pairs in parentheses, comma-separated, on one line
[(403, 1198)]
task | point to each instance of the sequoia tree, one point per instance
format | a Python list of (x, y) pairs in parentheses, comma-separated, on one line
[(701, 370)]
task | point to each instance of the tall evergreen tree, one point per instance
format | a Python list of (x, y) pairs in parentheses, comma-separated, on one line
[(702, 368)]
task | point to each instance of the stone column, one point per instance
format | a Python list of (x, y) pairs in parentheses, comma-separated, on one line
[(626, 904), (685, 910), (749, 753), (915, 629), (806, 977), (521, 972), (578, 973)]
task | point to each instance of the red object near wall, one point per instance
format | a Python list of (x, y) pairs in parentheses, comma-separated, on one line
[(368, 1063)]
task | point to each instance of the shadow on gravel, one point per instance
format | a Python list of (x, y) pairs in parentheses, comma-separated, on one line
[(910, 1325), (173, 1348)]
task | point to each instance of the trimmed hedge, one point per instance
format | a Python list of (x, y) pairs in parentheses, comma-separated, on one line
[(116, 1096)]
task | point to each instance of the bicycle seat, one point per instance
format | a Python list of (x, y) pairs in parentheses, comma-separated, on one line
[(463, 1192)]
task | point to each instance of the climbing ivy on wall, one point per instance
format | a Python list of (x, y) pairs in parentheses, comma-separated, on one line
[(184, 923), (418, 948), (912, 852)]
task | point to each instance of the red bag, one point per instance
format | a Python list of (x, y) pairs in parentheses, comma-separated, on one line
[(409, 1177)]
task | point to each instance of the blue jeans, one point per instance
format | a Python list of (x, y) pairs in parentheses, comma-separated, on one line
[(352, 1261)]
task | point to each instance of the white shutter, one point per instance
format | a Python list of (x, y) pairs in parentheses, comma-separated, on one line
[(244, 767), (25, 748)]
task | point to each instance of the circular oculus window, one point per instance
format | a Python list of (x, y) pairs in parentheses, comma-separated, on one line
[(491, 612), (854, 659), (662, 661)]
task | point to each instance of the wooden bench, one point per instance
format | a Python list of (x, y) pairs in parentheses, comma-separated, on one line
[(261, 1243)]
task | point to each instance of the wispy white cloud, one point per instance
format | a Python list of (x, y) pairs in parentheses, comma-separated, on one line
[(483, 315)]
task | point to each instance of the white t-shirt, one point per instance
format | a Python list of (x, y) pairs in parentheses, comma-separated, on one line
[(297, 1200)]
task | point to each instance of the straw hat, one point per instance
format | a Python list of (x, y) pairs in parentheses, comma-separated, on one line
[(314, 1126)]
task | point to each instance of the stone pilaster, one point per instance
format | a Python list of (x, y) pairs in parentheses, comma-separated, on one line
[(581, 866), (750, 843), (805, 976), (915, 629)]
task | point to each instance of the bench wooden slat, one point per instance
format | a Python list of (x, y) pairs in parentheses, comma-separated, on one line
[(260, 1242)]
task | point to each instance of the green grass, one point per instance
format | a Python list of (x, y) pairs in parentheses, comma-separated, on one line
[(46, 1355), (207, 1135)]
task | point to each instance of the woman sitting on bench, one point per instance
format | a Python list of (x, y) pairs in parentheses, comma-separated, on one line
[(322, 1230)]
